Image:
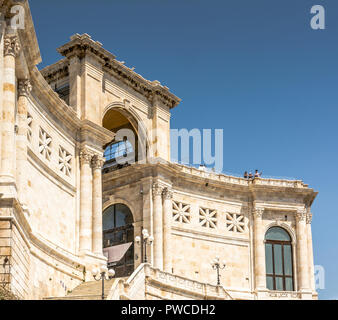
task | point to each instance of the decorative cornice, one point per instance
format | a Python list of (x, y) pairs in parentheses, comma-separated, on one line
[(97, 162), (24, 87), (11, 45), (82, 45)]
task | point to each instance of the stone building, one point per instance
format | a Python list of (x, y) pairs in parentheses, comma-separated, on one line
[(67, 204)]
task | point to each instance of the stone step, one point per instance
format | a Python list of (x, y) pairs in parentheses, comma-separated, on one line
[(90, 290)]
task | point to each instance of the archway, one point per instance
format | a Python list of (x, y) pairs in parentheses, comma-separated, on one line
[(129, 145), (118, 239)]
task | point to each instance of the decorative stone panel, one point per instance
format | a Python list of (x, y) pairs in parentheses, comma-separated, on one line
[(208, 218), (29, 127), (65, 162), (234, 222), (181, 212), (45, 144)]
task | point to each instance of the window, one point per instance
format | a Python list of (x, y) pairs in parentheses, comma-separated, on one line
[(119, 150), (278, 260)]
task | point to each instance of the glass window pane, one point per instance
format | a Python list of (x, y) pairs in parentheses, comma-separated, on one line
[(277, 248), (123, 215), (288, 284), (268, 258), (108, 218), (279, 284), (269, 283), (277, 233), (287, 260)]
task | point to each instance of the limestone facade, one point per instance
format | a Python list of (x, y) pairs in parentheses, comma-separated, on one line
[(55, 124)]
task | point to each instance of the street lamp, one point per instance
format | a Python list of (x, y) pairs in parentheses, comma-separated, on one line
[(217, 265), (146, 240), (103, 273)]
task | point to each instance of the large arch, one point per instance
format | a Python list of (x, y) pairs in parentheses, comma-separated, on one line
[(117, 116)]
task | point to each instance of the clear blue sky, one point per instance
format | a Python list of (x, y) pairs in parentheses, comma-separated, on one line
[(254, 68)]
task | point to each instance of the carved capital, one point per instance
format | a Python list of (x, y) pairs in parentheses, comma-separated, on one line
[(301, 215), (85, 157), (24, 87), (157, 189), (97, 162), (167, 194), (11, 45), (258, 213), (309, 218)]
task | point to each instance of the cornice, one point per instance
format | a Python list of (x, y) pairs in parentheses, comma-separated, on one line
[(82, 45)]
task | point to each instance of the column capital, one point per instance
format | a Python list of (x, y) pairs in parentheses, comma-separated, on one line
[(85, 156), (167, 194), (97, 162), (157, 189), (11, 45), (24, 87), (309, 218), (258, 212), (301, 215)]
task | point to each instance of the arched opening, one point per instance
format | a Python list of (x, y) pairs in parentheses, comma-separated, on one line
[(118, 239), (278, 260), (124, 149)]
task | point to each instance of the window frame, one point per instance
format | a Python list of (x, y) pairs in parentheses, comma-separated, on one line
[(273, 275)]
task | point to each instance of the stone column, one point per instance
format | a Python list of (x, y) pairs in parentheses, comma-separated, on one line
[(158, 226), (259, 249), (97, 163), (310, 252), (167, 216), (302, 255), (85, 201), (11, 50), (24, 87)]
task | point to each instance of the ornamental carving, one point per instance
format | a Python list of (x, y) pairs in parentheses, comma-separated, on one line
[(11, 45), (65, 162), (85, 157), (181, 212), (309, 218), (234, 222), (208, 218), (258, 212), (24, 87), (29, 127), (301, 215), (45, 144), (97, 162), (167, 194), (157, 189)]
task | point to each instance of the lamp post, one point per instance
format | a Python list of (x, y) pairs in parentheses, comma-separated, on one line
[(146, 240), (217, 265), (103, 273)]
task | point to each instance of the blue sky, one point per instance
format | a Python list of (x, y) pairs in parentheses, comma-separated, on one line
[(253, 68)]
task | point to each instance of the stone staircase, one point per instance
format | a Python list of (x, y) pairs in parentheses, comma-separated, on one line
[(91, 290)]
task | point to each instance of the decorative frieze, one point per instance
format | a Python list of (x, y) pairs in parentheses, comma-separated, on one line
[(11, 45)]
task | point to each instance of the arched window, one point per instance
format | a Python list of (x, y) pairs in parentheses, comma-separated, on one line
[(118, 238), (278, 259)]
